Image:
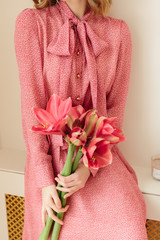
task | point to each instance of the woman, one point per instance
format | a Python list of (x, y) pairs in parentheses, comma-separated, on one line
[(72, 48)]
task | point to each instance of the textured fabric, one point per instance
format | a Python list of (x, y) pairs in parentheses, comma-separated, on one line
[(88, 59)]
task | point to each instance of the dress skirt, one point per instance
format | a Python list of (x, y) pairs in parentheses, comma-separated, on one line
[(109, 207)]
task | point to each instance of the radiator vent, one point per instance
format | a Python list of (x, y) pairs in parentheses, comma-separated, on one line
[(15, 216)]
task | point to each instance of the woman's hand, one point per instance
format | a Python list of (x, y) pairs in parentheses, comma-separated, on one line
[(50, 202), (73, 182)]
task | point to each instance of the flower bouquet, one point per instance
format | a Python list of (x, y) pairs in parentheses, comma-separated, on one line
[(88, 134)]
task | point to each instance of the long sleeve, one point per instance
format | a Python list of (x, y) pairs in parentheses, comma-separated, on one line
[(116, 98), (33, 94)]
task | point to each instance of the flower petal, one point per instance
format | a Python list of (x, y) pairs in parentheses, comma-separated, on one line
[(90, 123), (52, 106), (64, 108), (43, 116), (103, 159), (57, 107)]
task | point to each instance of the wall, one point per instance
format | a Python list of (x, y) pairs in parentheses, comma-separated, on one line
[(10, 120), (141, 120)]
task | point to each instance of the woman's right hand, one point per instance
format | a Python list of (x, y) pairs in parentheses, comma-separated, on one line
[(50, 202)]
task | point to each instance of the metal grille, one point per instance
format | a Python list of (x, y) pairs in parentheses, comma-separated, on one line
[(153, 229), (15, 216)]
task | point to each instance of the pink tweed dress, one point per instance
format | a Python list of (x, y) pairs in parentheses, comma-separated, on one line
[(88, 59)]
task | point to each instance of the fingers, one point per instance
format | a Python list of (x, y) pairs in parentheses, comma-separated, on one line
[(50, 203), (65, 184), (51, 215), (54, 202), (44, 212), (70, 184), (58, 210), (68, 190), (56, 199), (67, 179), (49, 208), (68, 195)]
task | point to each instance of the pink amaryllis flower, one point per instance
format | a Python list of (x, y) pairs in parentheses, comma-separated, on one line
[(54, 117), (78, 117), (97, 154), (80, 125), (78, 136), (73, 118), (106, 128), (88, 121)]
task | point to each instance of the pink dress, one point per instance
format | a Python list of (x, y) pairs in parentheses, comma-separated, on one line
[(88, 59)]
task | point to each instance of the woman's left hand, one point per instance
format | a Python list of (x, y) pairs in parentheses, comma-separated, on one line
[(73, 182)]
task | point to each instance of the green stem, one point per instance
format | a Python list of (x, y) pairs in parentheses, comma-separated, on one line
[(65, 172), (76, 159), (68, 164), (47, 228)]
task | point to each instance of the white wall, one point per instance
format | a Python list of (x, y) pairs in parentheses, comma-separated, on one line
[(142, 115), (142, 118)]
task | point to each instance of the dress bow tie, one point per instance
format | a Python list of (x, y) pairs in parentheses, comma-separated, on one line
[(64, 45)]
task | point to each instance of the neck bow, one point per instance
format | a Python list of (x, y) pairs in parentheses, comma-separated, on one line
[(64, 45)]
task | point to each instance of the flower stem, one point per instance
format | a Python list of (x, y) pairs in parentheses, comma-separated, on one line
[(65, 172), (76, 159), (46, 230)]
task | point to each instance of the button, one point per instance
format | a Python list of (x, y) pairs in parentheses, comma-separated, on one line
[(74, 26), (78, 52), (78, 75), (78, 98)]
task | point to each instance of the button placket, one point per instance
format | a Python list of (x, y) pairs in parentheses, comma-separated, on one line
[(78, 68)]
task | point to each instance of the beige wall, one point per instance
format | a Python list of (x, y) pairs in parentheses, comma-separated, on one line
[(142, 118), (142, 115), (10, 114)]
